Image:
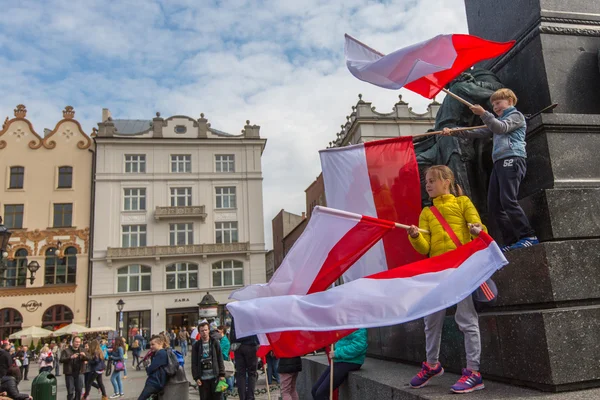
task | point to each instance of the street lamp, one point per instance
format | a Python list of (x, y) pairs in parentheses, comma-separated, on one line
[(4, 237), (208, 307), (120, 305), (33, 266)]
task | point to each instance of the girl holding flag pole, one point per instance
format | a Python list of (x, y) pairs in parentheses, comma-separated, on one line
[(451, 221)]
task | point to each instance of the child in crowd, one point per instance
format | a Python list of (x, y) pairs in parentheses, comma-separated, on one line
[(509, 157), (46, 359), (157, 377), (457, 211)]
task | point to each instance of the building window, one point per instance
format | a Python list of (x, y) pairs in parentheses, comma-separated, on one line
[(13, 216), (65, 177), (225, 163), (228, 273), (16, 270), (63, 215), (134, 199), (134, 235), (134, 278), (135, 163), (181, 197), (181, 163), (180, 129), (226, 232), (181, 234), (226, 197), (17, 176), (10, 322), (60, 270), (56, 317), (182, 276)]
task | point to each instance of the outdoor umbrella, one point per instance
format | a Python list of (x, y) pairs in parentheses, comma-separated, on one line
[(99, 329), (33, 332), (70, 330)]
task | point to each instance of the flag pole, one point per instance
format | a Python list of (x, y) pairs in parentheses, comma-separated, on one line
[(468, 128), (267, 382), (449, 93), (331, 372), (407, 227)]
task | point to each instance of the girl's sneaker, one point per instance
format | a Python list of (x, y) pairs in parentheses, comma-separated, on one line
[(122, 395), (114, 396), (505, 249), (468, 382), (425, 375), (525, 242)]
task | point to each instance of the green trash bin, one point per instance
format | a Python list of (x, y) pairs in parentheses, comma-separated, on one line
[(43, 387)]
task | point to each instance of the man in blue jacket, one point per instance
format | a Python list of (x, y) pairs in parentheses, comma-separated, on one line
[(157, 377)]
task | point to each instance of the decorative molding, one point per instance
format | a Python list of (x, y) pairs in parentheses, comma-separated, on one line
[(133, 218), (180, 212), (560, 30), (226, 216), (175, 251), (16, 247), (50, 237), (44, 290), (68, 116)]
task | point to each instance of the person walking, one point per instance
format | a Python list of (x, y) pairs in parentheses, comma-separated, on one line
[(207, 364), (184, 336), (73, 359), (116, 357), (136, 351), (97, 366)]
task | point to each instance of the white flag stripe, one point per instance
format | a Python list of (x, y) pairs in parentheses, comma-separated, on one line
[(303, 262), (402, 66), (367, 303), (347, 187)]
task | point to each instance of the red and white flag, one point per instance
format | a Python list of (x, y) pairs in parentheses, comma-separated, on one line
[(426, 67), (332, 241), (380, 179), (387, 298)]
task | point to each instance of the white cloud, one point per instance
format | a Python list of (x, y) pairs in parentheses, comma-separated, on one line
[(278, 63)]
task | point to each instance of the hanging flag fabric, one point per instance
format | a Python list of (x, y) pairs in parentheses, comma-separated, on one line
[(388, 298), (380, 179), (332, 241), (426, 67)]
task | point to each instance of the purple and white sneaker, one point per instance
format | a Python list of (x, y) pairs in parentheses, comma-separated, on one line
[(425, 375), (470, 381)]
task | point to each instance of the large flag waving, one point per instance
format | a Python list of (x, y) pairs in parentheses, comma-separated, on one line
[(380, 179), (426, 67), (388, 298), (332, 241)]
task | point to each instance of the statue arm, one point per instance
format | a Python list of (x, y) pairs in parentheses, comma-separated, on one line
[(514, 121)]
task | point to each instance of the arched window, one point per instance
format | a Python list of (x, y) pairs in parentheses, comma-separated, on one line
[(134, 278), (10, 322), (228, 273), (16, 270), (60, 270), (182, 276), (56, 317)]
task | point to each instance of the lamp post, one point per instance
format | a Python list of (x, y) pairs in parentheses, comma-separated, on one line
[(208, 307), (120, 305), (4, 237)]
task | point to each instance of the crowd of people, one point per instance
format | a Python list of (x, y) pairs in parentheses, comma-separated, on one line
[(451, 222)]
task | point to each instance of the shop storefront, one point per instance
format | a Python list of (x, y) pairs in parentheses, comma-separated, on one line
[(134, 323)]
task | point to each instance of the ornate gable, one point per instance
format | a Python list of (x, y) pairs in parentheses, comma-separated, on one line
[(19, 129)]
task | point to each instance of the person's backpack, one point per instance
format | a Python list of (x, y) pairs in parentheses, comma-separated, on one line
[(180, 358), (172, 363)]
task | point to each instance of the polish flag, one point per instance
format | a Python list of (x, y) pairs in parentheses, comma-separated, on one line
[(388, 298), (379, 179), (426, 67), (331, 242)]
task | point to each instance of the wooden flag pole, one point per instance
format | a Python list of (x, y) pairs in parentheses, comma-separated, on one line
[(408, 226), (449, 93), (267, 382), (331, 372), (468, 128)]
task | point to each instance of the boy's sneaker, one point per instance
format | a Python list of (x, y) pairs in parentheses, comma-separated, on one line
[(115, 396), (425, 375), (469, 382), (525, 242), (506, 249)]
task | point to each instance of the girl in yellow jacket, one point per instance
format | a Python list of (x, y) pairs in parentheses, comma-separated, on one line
[(463, 218)]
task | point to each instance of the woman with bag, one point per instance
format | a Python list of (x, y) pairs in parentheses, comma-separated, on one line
[(116, 357), (96, 365), (452, 221)]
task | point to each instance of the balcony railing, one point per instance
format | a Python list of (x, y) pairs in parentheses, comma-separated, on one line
[(175, 251), (180, 212)]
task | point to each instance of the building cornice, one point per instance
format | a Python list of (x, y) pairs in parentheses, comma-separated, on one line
[(44, 290)]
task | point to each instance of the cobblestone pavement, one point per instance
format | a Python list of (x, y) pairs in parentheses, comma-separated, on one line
[(134, 384)]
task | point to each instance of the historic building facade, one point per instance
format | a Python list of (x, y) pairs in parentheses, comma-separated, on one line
[(178, 213), (45, 194)]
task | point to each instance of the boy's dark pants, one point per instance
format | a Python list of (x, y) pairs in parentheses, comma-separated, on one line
[(503, 205), (207, 390)]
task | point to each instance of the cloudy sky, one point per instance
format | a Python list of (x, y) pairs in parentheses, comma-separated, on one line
[(278, 63)]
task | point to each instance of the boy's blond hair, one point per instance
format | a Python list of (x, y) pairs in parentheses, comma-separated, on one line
[(504, 94)]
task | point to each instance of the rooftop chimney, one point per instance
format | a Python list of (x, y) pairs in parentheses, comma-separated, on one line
[(105, 114)]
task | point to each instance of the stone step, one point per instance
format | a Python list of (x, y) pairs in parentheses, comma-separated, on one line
[(383, 380)]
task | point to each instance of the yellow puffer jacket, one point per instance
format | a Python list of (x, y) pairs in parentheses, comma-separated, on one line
[(458, 211)]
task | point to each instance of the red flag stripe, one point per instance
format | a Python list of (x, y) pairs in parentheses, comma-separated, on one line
[(343, 255), (394, 177)]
